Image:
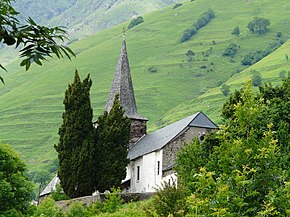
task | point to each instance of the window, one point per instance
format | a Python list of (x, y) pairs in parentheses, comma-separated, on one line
[(138, 173), (158, 167)]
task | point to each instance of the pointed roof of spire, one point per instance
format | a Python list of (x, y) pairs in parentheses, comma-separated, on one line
[(122, 85)]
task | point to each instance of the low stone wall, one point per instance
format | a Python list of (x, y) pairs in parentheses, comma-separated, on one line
[(127, 197)]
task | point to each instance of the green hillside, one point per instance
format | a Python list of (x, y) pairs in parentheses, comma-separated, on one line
[(80, 17), (167, 86), (83, 18), (212, 101)]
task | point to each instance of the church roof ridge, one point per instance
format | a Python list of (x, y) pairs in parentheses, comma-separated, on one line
[(159, 138)]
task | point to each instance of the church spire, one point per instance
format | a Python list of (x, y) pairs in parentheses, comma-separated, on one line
[(122, 85)]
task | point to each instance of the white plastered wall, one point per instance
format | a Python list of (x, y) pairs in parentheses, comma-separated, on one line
[(149, 178)]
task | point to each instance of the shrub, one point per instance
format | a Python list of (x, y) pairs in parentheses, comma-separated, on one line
[(236, 31), (258, 25), (176, 6), (135, 22), (231, 50), (48, 208), (170, 200), (256, 78), (188, 33), (153, 69), (113, 201), (255, 56), (225, 89), (201, 22), (59, 194), (282, 74), (190, 54), (77, 209)]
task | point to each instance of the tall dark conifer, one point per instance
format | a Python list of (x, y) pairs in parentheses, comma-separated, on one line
[(76, 140), (112, 139)]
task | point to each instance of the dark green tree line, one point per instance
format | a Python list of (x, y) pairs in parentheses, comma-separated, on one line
[(203, 20)]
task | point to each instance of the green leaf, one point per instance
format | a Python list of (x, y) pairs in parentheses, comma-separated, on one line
[(36, 59), (2, 67), (28, 63), (70, 51), (2, 80), (54, 50), (66, 53), (23, 63)]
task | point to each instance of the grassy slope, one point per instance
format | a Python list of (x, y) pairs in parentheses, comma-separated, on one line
[(211, 102), (31, 102), (80, 17)]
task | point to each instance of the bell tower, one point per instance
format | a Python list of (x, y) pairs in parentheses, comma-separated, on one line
[(123, 86)]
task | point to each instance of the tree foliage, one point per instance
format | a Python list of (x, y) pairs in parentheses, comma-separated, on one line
[(236, 31), (255, 56), (75, 147), (112, 139), (258, 25), (176, 6), (36, 41), (15, 189), (246, 170), (225, 89), (231, 50), (256, 78), (135, 22), (203, 20)]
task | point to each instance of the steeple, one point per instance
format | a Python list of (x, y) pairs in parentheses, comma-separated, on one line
[(122, 85)]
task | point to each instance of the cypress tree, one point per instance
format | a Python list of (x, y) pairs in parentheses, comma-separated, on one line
[(112, 139), (76, 140)]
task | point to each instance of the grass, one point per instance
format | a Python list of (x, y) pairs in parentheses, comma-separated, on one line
[(31, 102), (211, 102)]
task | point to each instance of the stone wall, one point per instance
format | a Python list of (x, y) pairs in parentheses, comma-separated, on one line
[(127, 197), (171, 149)]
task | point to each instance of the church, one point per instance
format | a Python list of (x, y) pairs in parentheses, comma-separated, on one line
[(152, 155)]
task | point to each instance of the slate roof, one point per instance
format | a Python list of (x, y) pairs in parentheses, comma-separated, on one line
[(122, 85), (50, 187), (158, 139)]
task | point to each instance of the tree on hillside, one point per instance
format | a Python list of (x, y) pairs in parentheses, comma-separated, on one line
[(36, 41), (246, 171), (15, 189), (112, 139), (256, 78), (258, 25), (76, 144), (236, 31), (135, 22), (225, 89)]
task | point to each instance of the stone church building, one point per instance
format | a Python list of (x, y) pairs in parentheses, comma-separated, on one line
[(152, 155)]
